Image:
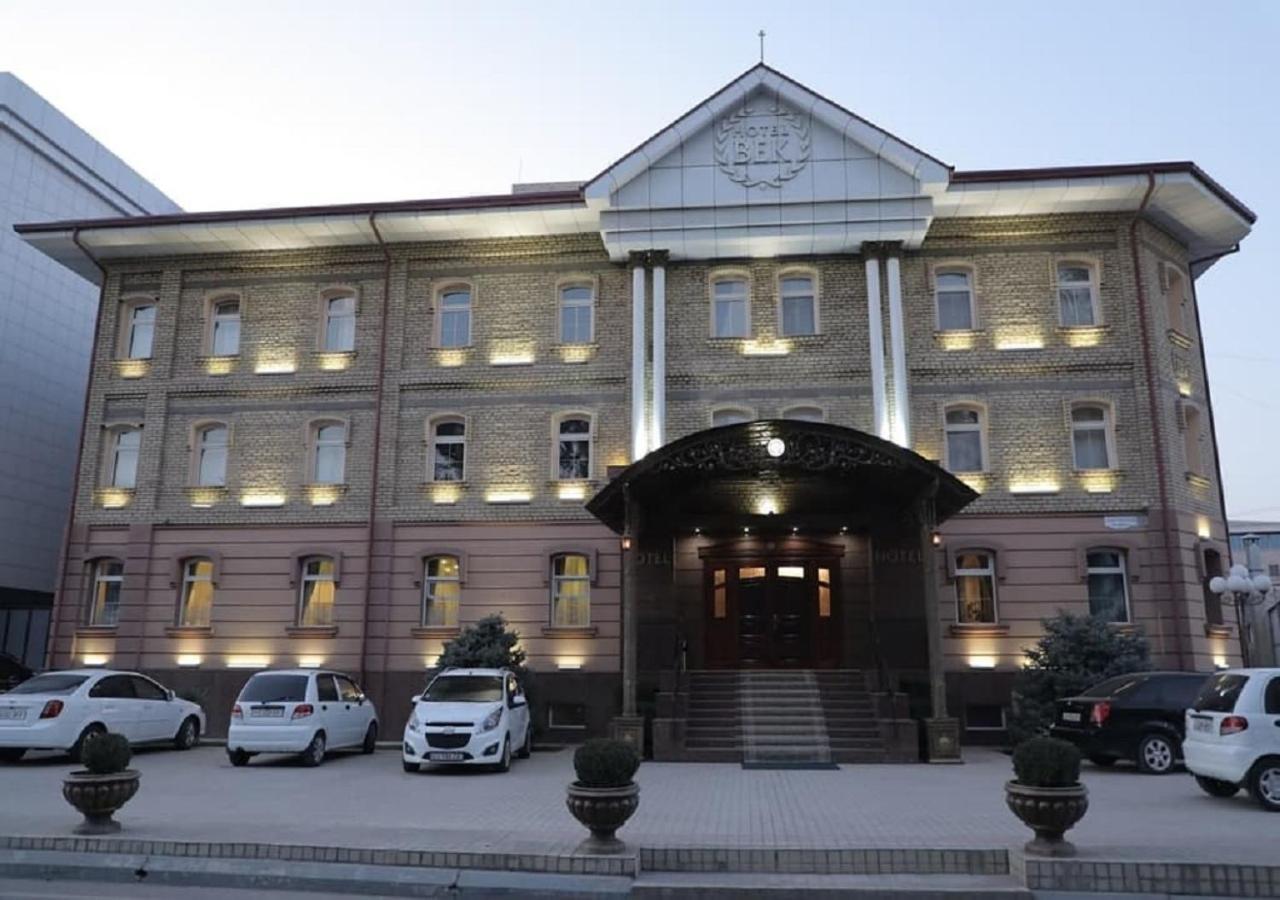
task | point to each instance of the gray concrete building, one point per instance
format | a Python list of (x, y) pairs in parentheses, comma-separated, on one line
[(49, 168)]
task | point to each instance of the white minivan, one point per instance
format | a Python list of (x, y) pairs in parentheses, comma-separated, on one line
[(302, 711), (1233, 735)]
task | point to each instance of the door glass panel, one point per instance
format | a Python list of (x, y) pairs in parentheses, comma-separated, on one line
[(791, 571), (824, 601), (750, 572), (719, 604)]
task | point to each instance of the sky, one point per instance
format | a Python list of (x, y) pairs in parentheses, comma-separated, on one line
[(232, 104)]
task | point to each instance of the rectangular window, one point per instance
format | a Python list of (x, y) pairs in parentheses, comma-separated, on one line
[(455, 318), (1108, 585), (576, 302), (197, 594), (226, 328), (211, 467), (104, 605), (124, 458), (955, 301), (340, 324), (441, 591), (729, 310), (449, 451), (975, 588), (142, 329), (799, 312), (964, 440), (574, 450), (1089, 439), (330, 454), (1075, 295), (570, 591), (315, 607)]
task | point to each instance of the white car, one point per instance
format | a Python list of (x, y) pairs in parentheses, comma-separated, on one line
[(303, 711), (469, 717), (1233, 735), (58, 710)]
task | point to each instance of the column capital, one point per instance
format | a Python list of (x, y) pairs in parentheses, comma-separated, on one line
[(637, 259), (659, 257), (881, 248)]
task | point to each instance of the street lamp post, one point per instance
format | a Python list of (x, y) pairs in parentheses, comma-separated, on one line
[(1247, 589)]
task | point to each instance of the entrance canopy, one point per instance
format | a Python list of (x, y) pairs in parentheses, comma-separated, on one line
[(777, 474)]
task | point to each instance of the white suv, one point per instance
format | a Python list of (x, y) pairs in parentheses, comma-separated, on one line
[(470, 717), (301, 711), (1233, 735)]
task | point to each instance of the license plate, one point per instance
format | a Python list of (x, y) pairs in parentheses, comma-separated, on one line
[(1070, 717), (12, 712), (267, 712), (446, 757), (1199, 724)]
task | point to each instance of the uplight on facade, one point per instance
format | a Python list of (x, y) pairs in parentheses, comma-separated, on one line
[(188, 660), (95, 659), (262, 499), (248, 662), (1084, 336), (508, 497), (133, 368), (569, 663), (323, 494), (219, 365), (115, 498), (957, 340), (1100, 482), (310, 662), (445, 494), (1034, 487), (1204, 529), (275, 365), (982, 662), (334, 362), (765, 348), (572, 492)]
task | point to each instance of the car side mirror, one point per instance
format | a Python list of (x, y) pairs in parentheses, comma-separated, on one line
[(169, 695), (360, 699), (416, 699)]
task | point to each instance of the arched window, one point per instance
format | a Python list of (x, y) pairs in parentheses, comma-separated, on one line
[(570, 591), (1175, 298), (441, 591), (453, 317), (448, 449), (123, 444), (798, 305), (975, 578), (1108, 584), (224, 336), (577, 305), (1192, 437), (1091, 436), (1077, 294), (340, 323), (317, 592), (730, 415), (140, 330), (211, 455), (730, 307), (328, 453), (953, 294), (573, 452), (965, 439), (804, 414), (104, 598), (195, 605)]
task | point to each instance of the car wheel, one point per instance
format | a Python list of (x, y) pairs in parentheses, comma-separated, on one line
[(410, 767), (504, 763), (1157, 753), (1105, 762), (89, 732), (239, 757), (12, 754), (370, 739), (1216, 787), (1264, 783), (314, 754), (526, 749), (188, 734)]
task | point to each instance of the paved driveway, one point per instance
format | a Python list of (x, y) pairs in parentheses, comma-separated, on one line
[(368, 801)]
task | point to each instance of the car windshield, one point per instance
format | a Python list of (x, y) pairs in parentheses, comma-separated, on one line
[(1114, 687), (465, 689), (275, 689), (1220, 693), (53, 683)]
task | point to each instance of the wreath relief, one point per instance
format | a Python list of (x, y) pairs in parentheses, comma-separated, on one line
[(763, 146)]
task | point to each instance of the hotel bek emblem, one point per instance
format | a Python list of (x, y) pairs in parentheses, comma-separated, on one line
[(763, 145)]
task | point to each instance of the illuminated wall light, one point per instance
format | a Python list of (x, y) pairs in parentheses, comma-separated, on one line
[(204, 498), (1184, 388), (189, 660), (323, 494), (577, 353), (219, 365), (275, 366), (1084, 337), (765, 348), (569, 663), (1220, 662), (508, 497), (262, 499), (115, 498), (452, 358), (1097, 482), (572, 492), (982, 662), (334, 362), (310, 662), (430, 662), (976, 481), (1204, 529), (134, 368), (957, 340), (1034, 487), (511, 359), (445, 494), (1020, 338), (95, 659), (248, 662), (767, 506)]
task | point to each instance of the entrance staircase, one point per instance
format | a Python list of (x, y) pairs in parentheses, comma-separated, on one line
[(782, 718)]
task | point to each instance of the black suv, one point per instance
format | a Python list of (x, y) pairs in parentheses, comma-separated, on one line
[(1141, 717)]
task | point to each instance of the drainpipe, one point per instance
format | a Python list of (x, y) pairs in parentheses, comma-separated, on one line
[(59, 591), (377, 456), (1153, 403), (1208, 402)]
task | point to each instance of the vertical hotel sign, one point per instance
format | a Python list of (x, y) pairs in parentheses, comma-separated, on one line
[(763, 145)]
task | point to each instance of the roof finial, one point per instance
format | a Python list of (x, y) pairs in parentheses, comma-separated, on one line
[(761, 46)]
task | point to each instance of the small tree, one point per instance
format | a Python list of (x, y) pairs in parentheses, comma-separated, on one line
[(488, 644), (1075, 653)]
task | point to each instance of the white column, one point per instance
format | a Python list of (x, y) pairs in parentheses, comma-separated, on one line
[(875, 336), (639, 444), (898, 342), (658, 423)]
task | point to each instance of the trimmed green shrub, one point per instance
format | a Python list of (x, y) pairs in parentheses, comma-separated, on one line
[(604, 762), (106, 753), (1046, 762)]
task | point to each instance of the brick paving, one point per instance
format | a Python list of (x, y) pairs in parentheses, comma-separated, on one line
[(368, 802)]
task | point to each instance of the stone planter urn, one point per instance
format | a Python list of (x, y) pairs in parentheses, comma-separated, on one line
[(1050, 812), (97, 797), (603, 810)]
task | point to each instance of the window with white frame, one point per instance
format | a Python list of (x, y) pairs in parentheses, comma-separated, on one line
[(448, 449), (804, 414), (975, 576), (1077, 294), (1108, 584), (140, 331), (1091, 436), (104, 602), (730, 415), (454, 317), (799, 305), (211, 455), (122, 462), (953, 293), (570, 591), (730, 301), (340, 323), (1175, 298), (577, 305), (224, 339), (441, 591), (573, 453), (964, 439), (318, 589), (195, 606), (1191, 438), (329, 453)]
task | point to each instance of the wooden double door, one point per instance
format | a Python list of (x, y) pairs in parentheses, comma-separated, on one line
[(771, 614)]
